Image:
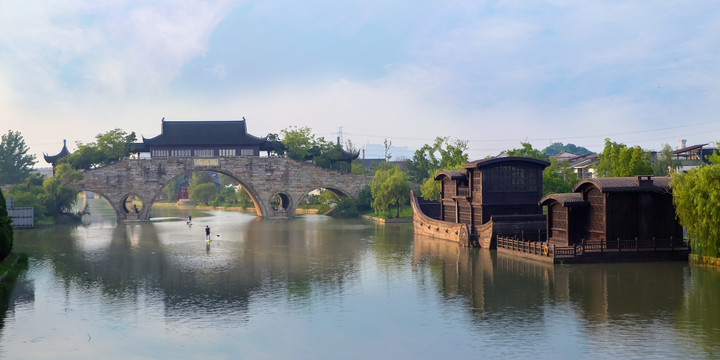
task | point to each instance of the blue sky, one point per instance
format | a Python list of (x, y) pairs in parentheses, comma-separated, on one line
[(494, 73)]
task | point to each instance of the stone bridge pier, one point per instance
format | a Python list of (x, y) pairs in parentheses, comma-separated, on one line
[(263, 178)]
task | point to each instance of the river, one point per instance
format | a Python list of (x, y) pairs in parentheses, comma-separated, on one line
[(315, 287)]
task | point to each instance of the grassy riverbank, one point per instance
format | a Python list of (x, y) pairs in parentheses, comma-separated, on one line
[(9, 270), (406, 215), (12, 265)]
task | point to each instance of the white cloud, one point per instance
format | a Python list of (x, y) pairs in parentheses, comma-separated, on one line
[(115, 46), (495, 73)]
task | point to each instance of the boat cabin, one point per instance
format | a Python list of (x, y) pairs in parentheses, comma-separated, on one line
[(613, 208), (491, 187)]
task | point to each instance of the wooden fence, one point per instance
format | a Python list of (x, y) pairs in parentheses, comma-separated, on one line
[(590, 247)]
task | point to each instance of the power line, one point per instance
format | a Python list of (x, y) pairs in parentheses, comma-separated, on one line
[(554, 137)]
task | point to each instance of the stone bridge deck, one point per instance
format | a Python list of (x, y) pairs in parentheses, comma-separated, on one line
[(263, 178)]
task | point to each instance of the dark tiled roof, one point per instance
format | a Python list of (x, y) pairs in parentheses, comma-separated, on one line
[(452, 174), (689, 148), (204, 133), (52, 159), (140, 147), (506, 160), (628, 184), (565, 199)]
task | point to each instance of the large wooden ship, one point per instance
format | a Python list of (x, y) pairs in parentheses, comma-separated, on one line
[(489, 197)]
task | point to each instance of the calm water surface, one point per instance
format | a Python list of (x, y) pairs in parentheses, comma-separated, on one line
[(314, 287)]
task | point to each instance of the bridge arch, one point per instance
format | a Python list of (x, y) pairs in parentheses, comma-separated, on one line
[(262, 178), (80, 188), (134, 209), (248, 187)]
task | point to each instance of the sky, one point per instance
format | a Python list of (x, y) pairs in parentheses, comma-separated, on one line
[(492, 73)]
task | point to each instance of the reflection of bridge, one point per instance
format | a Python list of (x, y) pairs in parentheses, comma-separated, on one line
[(263, 178)]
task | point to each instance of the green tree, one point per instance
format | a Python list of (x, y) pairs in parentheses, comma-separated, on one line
[(527, 151), (621, 161), (714, 158), (202, 188), (327, 197), (298, 141), (109, 147), (364, 199), (453, 154), (443, 154), (203, 193), (390, 187), (199, 178), (273, 145), (430, 189), (6, 230), (173, 188), (85, 157), (225, 197), (666, 163), (346, 207), (50, 198), (15, 163), (243, 198), (115, 145), (423, 164), (558, 178), (30, 193), (696, 195), (558, 147), (58, 197), (302, 145), (357, 167)]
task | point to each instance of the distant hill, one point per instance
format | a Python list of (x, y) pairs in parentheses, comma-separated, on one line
[(558, 147)]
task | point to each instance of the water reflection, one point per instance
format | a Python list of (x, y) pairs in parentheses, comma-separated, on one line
[(298, 262), (602, 306), (313, 287)]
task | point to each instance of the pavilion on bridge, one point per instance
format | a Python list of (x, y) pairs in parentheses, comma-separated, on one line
[(201, 139)]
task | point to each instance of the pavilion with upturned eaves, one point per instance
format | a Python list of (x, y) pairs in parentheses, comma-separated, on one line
[(201, 139), (53, 159)]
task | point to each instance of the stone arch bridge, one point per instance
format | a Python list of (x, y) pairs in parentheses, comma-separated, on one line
[(263, 178)]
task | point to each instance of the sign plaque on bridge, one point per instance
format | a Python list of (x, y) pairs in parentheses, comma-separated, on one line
[(206, 162)]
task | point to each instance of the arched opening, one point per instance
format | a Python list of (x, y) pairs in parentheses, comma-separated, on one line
[(95, 207), (132, 204), (280, 202), (323, 201), (200, 190)]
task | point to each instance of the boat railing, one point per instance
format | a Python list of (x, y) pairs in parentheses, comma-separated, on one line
[(542, 248)]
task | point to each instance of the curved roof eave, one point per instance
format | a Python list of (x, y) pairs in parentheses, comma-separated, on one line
[(626, 184), (506, 159), (565, 199), (451, 174)]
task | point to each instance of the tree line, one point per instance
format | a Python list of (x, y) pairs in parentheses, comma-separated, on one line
[(696, 193)]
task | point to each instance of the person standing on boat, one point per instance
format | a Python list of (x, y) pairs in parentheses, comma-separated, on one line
[(189, 219), (207, 233)]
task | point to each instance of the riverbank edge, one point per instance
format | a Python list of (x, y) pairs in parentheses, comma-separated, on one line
[(16, 258), (236, 208), (387, 221), (701, 260)]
